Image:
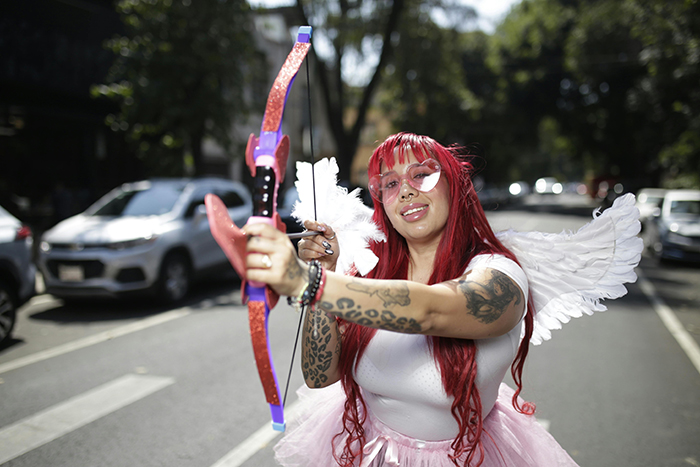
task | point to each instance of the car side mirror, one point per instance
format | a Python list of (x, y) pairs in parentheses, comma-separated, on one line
[(656, 212), (200, 213)]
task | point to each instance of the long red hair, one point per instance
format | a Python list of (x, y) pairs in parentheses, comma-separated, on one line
[(467, 234)]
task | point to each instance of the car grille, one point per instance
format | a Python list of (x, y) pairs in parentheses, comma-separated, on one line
[(131, 275), (91, 268), (78, 246)]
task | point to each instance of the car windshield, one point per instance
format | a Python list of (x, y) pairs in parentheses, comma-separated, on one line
[(685, 207), (651, 199), (150, 202)]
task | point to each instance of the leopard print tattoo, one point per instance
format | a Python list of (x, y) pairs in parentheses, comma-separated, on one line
[(317, 354), (391, 294)]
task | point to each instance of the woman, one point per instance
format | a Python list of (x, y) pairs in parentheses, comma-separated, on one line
[(421, 344)]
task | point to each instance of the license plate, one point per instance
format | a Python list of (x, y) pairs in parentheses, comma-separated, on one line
[(68, 273)]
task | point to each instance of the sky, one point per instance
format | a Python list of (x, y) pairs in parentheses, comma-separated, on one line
[(490, 11)]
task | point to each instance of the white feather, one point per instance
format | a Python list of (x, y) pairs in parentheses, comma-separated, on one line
[(349, 218), (570, 273)]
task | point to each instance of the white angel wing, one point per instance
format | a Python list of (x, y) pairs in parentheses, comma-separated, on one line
[(569, 273), (343, 211)]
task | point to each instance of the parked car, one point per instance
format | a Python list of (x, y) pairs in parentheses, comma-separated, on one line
[(673, 231), (519, 189), (648, 199), (548, 186), (148, 236), (17, 271)]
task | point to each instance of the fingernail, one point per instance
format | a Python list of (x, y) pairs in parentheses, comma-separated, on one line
[(321, 228), (326, 244), (329, 251)]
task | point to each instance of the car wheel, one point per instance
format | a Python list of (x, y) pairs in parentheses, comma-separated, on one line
[(8, 312), (174, 282)]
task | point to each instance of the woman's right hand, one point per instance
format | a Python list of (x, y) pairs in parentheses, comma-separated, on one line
[(323, 247)]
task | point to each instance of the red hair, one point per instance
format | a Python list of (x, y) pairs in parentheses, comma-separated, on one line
[(467, 233)]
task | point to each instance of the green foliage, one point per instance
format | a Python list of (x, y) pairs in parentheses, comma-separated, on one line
[(669, 33), (566, 87), (426, 89), (374, 33), (180, 75)]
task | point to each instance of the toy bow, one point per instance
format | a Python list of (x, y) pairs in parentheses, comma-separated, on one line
[(266, 156)]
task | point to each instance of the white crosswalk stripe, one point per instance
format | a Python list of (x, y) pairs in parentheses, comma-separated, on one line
[(256, 442), (54, 422)]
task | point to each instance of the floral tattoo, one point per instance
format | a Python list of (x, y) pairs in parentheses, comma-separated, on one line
[(488, 300)]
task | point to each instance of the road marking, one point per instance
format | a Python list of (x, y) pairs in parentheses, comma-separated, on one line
[(257, 441), (94, 339), (54, 422), (673, 324)]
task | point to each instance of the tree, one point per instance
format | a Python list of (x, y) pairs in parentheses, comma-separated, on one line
[(669, 33), (628, 92), (613, 131), (180, 75), (426, 87), (358, 31), (352, 29), (526, 55)]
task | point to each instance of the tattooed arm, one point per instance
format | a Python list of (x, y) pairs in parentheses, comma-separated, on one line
[(482, 303)]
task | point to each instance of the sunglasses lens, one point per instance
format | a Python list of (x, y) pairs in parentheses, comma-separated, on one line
[(423, 177), (385, 187)]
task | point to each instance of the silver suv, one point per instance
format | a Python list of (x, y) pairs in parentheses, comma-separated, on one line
[(148, 236), (17, 271)]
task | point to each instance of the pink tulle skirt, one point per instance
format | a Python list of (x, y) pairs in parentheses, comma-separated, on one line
[(510, 438)]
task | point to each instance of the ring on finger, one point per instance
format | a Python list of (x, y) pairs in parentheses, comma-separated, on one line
[(331, 238), (266, 261)]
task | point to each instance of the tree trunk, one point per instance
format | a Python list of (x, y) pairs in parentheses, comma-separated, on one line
[(333, 90)]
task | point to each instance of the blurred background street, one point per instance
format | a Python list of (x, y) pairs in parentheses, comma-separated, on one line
[(615, 389), (123, 340)]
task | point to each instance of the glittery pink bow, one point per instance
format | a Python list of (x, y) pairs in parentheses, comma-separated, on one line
[(266, 157)]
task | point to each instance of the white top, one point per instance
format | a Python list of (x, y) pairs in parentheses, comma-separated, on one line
[(401, 381)]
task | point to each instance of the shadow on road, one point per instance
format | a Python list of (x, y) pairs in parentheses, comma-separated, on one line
[(204, 295)]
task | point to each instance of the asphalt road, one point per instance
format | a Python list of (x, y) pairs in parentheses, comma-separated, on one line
[(130, 384)]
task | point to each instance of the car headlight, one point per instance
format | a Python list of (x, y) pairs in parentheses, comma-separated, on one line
[(678, 239), (132, 243)]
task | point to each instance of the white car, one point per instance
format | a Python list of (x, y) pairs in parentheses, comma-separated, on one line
[(673, 231), (17, 271), (148, 236), (648, 199), (548, 186)]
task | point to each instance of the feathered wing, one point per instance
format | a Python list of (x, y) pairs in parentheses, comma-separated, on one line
[(342, 210), (570, 273)]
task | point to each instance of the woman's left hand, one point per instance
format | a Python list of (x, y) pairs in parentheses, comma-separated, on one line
[(271, 259)]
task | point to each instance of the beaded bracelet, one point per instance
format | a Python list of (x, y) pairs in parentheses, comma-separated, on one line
[(314, 278), (309, 292), (322, 284)]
